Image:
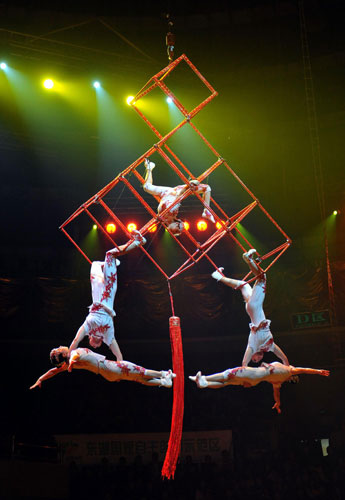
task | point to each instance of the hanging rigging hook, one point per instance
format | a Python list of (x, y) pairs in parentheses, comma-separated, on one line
[(170, 39)]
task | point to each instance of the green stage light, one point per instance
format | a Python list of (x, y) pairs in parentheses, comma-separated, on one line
[(48, 83), (96, 85), (169, 100), (3, 65), (335, 212), (94, 226)]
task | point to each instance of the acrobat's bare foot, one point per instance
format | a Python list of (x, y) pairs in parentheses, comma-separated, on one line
[(201, 381), (207, 215), (194, 183), (167, 378), (191, 377), (248, 256), (149, 165)]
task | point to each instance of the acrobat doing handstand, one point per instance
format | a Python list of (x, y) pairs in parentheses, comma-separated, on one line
[(113, 371), (99, 324), (260, 338), (275, 373), (168, 195)]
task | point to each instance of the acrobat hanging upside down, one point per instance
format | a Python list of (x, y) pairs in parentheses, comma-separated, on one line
[(275, 373)]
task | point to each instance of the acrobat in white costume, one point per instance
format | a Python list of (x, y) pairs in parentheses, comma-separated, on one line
[(260, 339), (113, 371), (99, 324), (167, 196), (275, 373)]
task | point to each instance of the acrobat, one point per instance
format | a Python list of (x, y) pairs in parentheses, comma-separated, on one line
[(275, 373), (99, 324), (168, 195), (260, 338), (113, 371)]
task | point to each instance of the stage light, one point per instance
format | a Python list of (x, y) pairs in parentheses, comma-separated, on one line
[(335, 212), (3, 65), (94, 226), (186, 225), (201, 225), (110, 228), (129, 99), (169, 100), (131, 227), (153, 228), (96, 85), (48, 83), (218, 224)]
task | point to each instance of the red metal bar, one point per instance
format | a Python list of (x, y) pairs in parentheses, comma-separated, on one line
[(155, 131), (75, 244), (169, 93), (101, 227)]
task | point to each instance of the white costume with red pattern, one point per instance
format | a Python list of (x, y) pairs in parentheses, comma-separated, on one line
[(167, 195), (260, 338), (114, 371), (99, 323), (248, 376)]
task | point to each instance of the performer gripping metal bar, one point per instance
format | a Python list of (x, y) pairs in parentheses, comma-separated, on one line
[(168, 196), (260, 338), (99, 324)]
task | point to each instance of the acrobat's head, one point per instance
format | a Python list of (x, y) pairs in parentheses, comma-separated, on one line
[(176, 227), (257, 357), (95, 339), (59, 356)]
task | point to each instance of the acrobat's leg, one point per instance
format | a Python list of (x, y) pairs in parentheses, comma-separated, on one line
[(149, 166), (248, 257), (215, 381), (206, 192), (241, 285)]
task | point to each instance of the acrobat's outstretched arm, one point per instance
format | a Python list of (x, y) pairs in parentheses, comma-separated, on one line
[(77, 339), (49, 374), (247, 356), (310, 371), (276, 395), (115, 349), (280, 354)]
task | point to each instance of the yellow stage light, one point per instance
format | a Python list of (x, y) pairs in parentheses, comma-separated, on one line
[(110, 228), (129, 99), (131, 227), (186, 225), (48, 83), (335, 212), (94, 226), (218, 224), (153, 228), (201, 225)]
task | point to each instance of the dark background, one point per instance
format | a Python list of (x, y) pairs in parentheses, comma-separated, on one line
[(56, 153)]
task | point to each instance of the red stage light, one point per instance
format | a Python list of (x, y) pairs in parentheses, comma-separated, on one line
[(131, 227), (201, 225), (110, 228)]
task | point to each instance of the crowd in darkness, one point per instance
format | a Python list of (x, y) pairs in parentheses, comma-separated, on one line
[(300, 475)]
